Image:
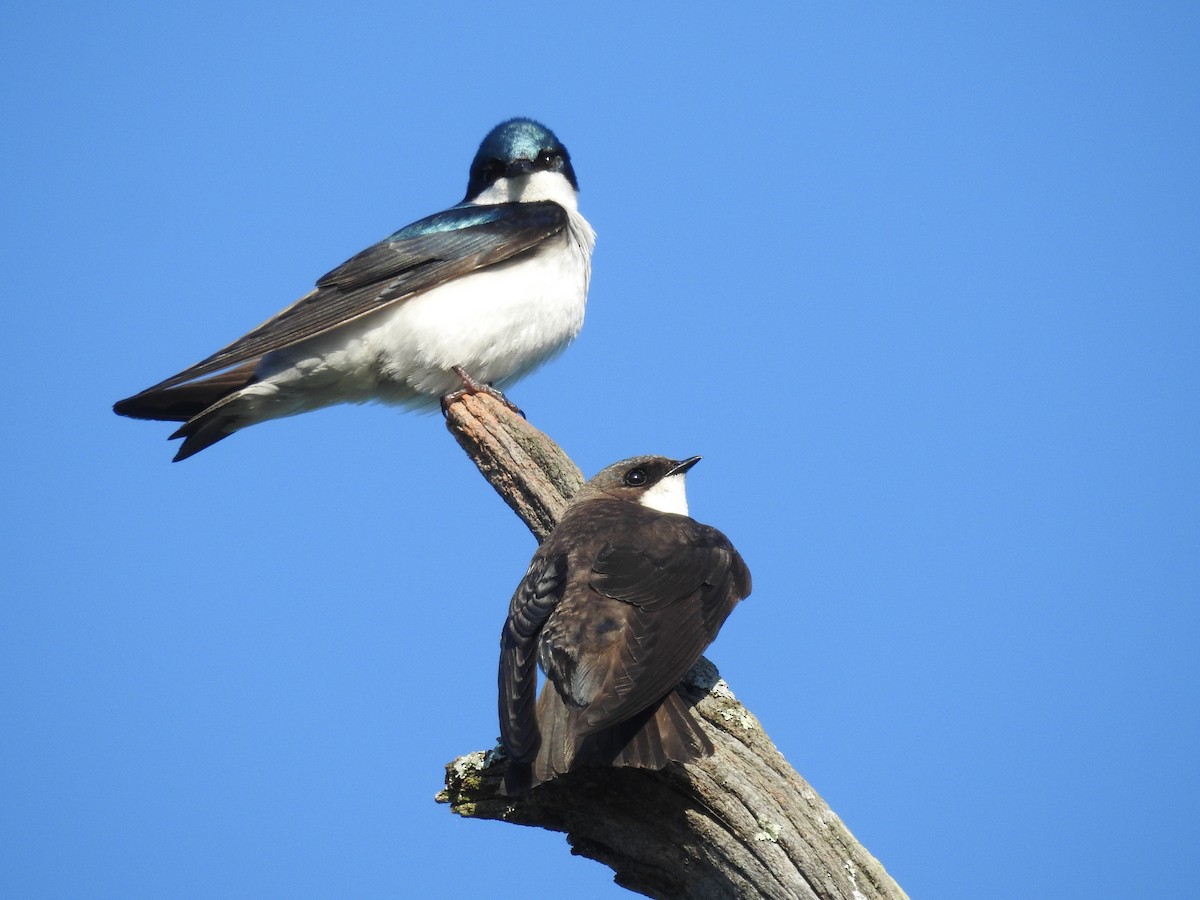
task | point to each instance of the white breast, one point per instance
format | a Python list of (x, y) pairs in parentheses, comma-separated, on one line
[(497, 324)]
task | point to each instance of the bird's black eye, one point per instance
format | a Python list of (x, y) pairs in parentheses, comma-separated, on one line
[(548, 159), (635, 477), (492, 169)]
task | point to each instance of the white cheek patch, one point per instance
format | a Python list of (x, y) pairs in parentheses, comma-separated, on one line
[(667, 496)]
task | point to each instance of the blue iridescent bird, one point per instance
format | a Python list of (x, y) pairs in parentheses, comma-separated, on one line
[(474, 296)]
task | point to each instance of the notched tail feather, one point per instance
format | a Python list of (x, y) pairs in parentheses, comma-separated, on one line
[(664, 733), (650, 740), (202, 432), (197, 404)]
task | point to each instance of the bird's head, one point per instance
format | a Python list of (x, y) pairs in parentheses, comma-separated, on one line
[(521, 160), (652, 481)]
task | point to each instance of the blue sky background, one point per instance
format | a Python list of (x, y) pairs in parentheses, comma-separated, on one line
[(919, 283)]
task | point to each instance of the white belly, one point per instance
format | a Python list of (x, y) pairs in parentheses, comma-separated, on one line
[(497, 324)]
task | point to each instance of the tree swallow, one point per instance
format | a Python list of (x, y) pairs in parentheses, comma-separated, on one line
[(618, 603), (479, 294)]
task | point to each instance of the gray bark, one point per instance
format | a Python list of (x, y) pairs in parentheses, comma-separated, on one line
[(741, 823)]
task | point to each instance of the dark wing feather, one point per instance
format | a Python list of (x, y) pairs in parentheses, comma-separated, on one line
[(633, 575), (535, 598), (423, 255), (656, 653), (676, 606), (186, 401)]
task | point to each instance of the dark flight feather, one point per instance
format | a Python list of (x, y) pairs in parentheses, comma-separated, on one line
[(538, 593), (411, 261), (185, 401)]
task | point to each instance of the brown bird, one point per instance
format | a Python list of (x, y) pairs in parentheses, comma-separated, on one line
[(617, 604)]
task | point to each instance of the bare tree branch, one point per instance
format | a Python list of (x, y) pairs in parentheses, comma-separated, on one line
[(526, 468), (741, 823)]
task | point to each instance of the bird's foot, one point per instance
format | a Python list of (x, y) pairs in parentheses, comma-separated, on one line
[(471, 386)]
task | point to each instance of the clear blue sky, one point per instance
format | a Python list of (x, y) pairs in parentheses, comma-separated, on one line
[(920, 285)]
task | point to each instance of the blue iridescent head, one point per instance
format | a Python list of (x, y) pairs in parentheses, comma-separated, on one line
[(518, 147)]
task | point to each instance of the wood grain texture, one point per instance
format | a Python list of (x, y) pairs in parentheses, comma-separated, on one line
[(741, 823), (531, 472)]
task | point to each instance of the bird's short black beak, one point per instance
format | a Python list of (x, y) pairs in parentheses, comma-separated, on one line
[(683, 465), (518, 167)]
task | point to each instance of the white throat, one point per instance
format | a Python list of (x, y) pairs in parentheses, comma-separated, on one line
[(667, 496), (529, 188)]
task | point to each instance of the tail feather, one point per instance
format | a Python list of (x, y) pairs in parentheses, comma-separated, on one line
[(202, 431), (557, 723), (186, 401), (198, 404), (666, 732)]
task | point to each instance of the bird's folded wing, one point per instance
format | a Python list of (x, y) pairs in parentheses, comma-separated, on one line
[(421, 256), (675, 607), (534, 600)]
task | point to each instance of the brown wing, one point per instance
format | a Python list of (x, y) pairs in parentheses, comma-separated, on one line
[(531, 605), (655, 605)]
